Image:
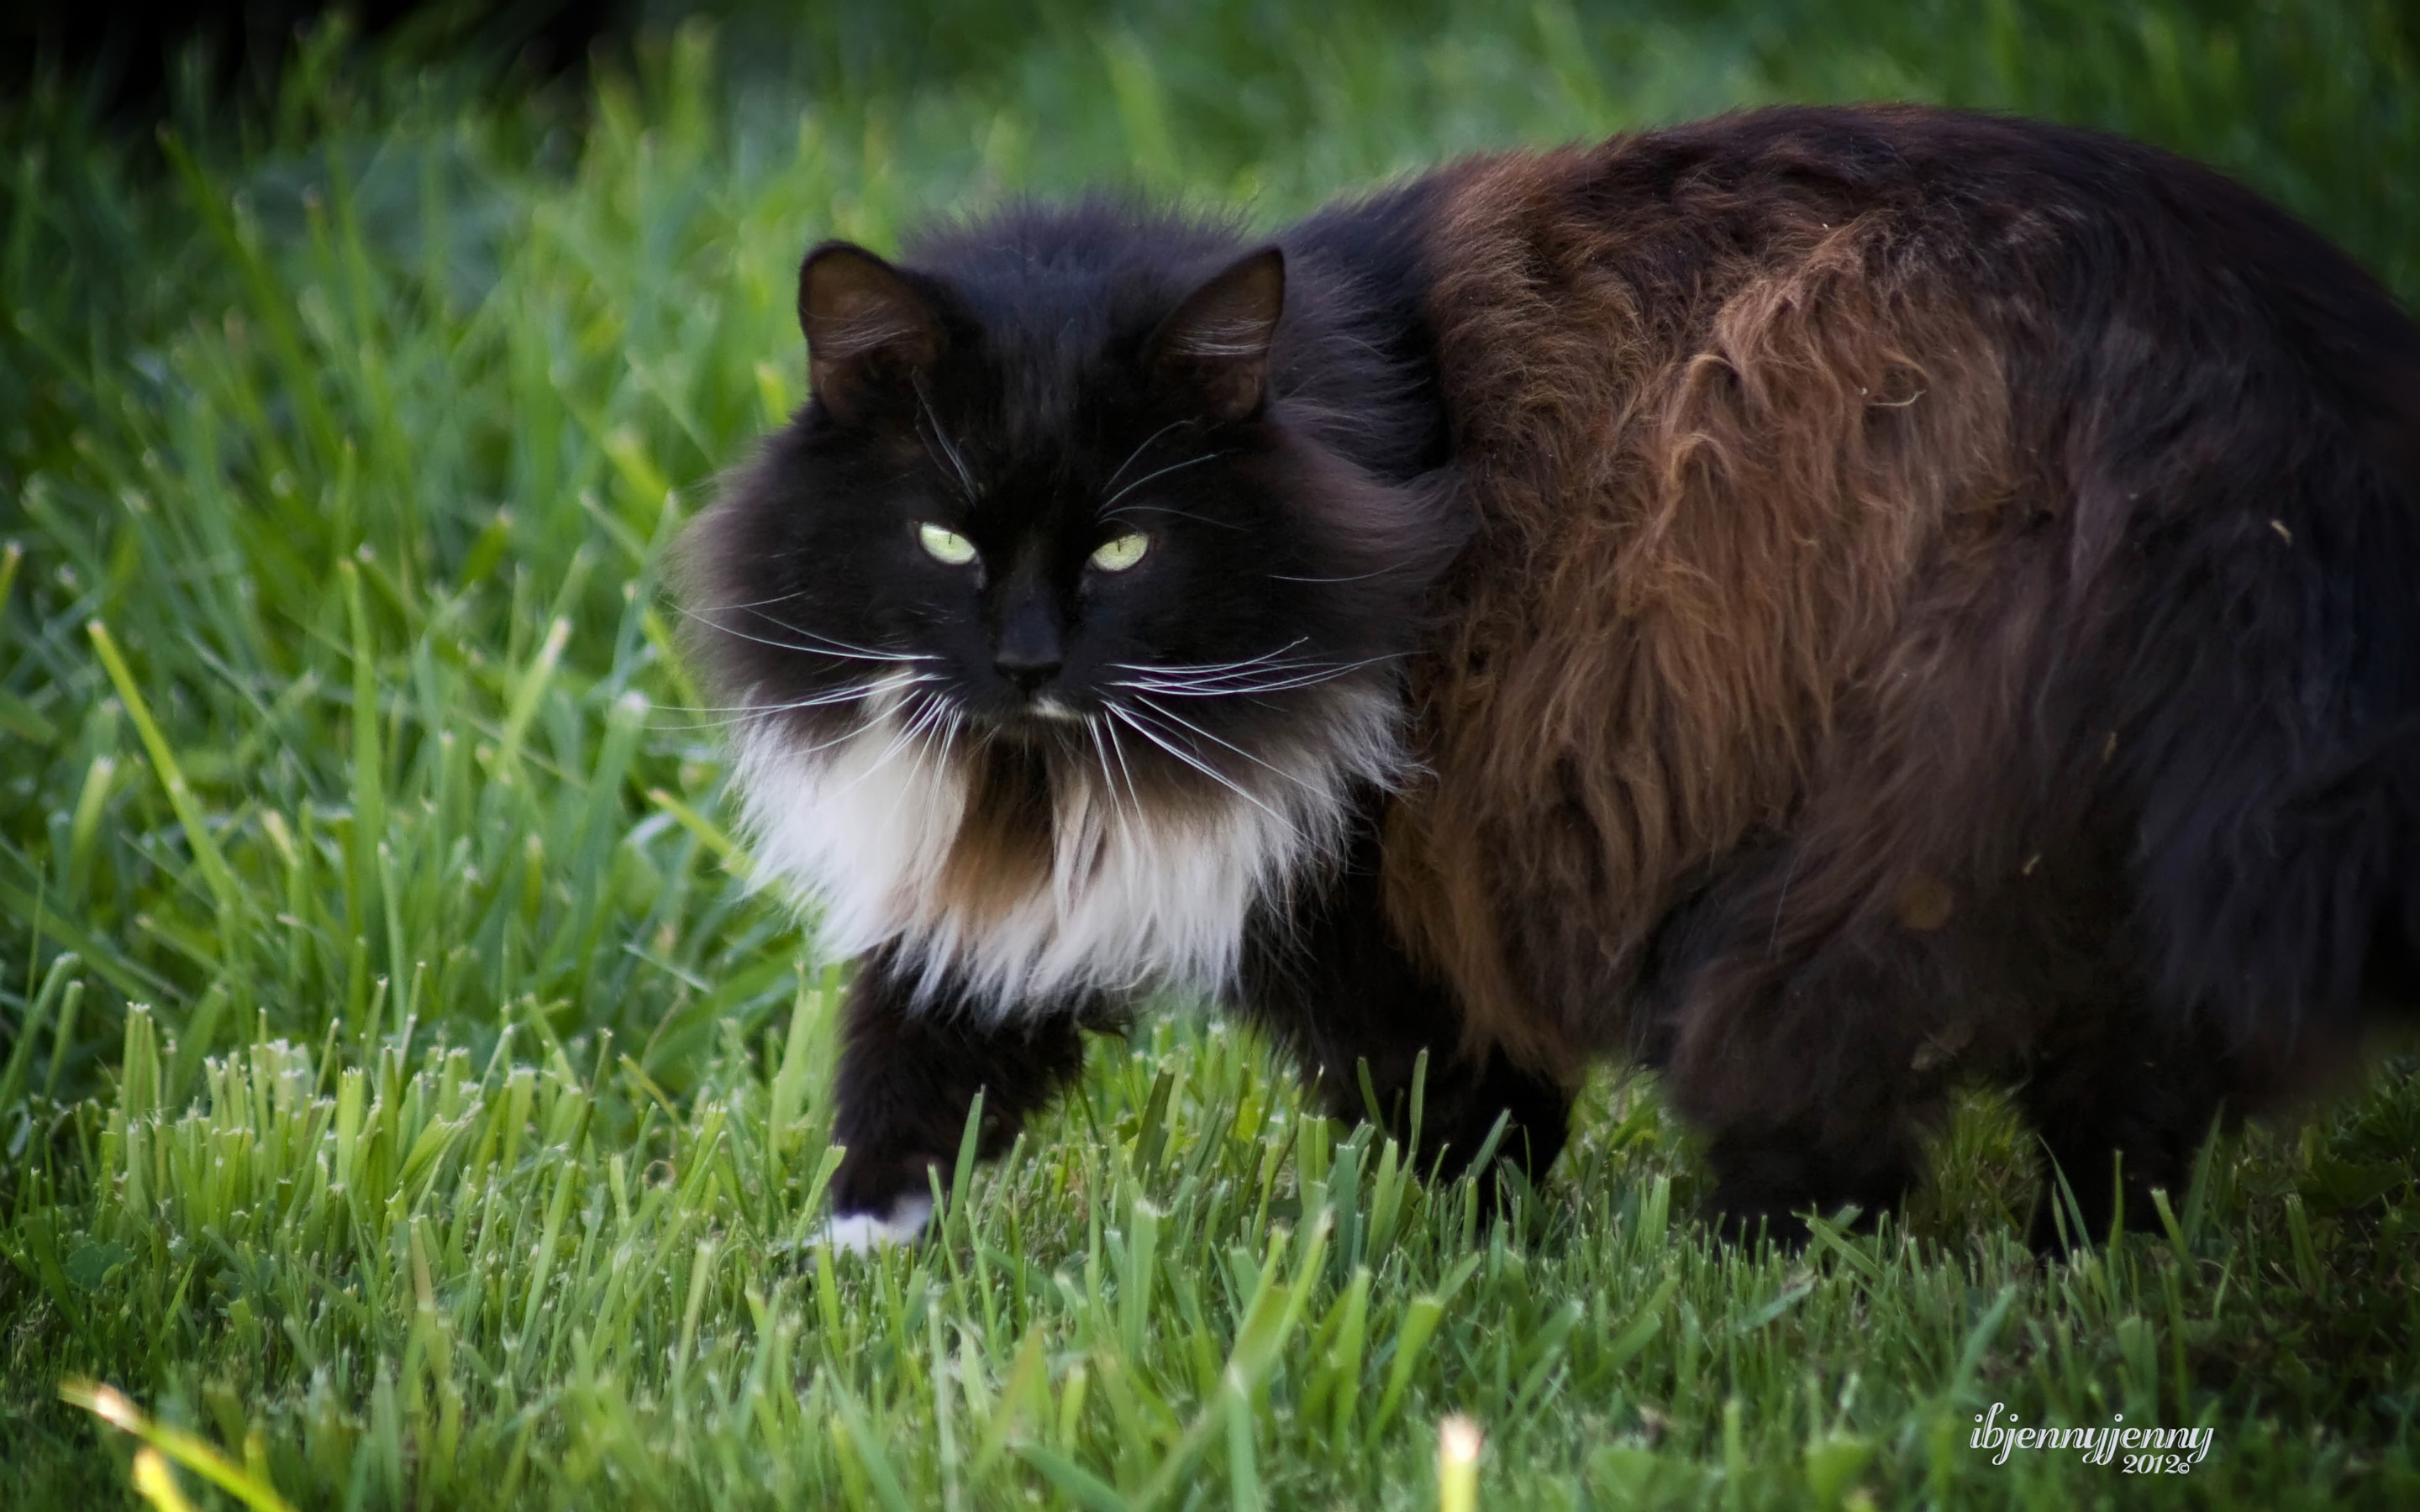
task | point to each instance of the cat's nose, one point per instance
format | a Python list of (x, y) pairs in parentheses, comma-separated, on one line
[(1029, 654), (1027, 673)]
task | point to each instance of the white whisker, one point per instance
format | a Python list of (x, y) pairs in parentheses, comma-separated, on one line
[(758, 603), (1118, 748), (1174, 717), (949, 737), (1208, 666), (819, 747), (824, 700), (1238, 684), (833, 646), (1231, 689), (1101, 754), (841, 650), (1191, 759), (1111, 502), (906, 739), (1140, 450), (966, 478), (1354, 577)]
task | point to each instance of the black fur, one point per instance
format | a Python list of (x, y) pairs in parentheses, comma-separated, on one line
[(909, 1073), (1328, 980)]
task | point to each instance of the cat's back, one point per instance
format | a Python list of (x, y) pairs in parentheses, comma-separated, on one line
[(1547, 265), (1799, 443)]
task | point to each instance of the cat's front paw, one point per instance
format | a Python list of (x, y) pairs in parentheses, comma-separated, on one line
[(859, 1233)]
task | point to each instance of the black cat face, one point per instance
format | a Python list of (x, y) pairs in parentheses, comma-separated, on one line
[(1043, 507), (1048, 479)]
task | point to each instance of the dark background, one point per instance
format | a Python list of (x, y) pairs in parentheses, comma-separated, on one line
[(135, 58)]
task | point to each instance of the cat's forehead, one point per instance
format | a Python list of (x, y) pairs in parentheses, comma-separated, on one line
[(1063, 297), (1050, 376), (1047, 251), (1046, 355)]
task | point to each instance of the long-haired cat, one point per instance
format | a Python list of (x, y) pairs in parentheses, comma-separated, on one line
[(1825, 602)]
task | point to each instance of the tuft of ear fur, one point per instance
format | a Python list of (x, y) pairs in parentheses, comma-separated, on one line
[(865, 324), (1215, 346)]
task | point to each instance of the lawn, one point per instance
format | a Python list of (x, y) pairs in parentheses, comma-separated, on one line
[(405, 1098)]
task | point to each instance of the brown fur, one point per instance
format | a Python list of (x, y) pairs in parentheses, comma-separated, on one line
[(1002, 853), (1707, 504)]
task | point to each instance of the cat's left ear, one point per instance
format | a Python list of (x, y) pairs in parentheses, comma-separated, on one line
[(1216, 347)]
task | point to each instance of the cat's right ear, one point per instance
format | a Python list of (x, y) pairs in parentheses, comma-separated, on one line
[(867, 328)]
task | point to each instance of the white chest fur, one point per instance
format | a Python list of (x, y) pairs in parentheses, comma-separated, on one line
[(1136, 898)]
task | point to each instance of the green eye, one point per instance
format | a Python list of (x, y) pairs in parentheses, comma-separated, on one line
[(946, 546), (1121, 552)]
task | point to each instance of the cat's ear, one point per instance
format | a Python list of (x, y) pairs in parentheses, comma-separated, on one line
[(1216, 348), (866, 326)]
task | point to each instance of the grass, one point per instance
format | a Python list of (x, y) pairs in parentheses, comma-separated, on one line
[(404, 1098)]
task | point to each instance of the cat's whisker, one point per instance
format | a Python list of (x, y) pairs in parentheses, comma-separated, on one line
[(742, 635), (1351, 577), (1307, 674), (819, 747), (929, 720), (906, 739), (742, 713), (1134, 722), (1277, 671), (1208, 666), (839, 648), (890, 684), (837, 695), (836, 647), (1174, 717), (957, 463), (1101, 754), (949, 734), (1147, 440), (1111, 502), (1234, 690), (1118, 748), (734, 721), (1125, 769), (739, 634), (1199, 674), (1180, 514), (833, 645), (928, 714), (733, 608)]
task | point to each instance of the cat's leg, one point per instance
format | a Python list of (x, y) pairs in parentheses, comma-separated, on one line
[(1812, 1059), (1800, 1115), (1330, 985), (2122, 1103), (909, 1074), (1352, 1030), (1813, 1048)]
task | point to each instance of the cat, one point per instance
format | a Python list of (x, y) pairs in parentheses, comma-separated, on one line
[(1826, 603)]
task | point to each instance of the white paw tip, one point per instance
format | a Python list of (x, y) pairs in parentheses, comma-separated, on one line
[(858, 1233)]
